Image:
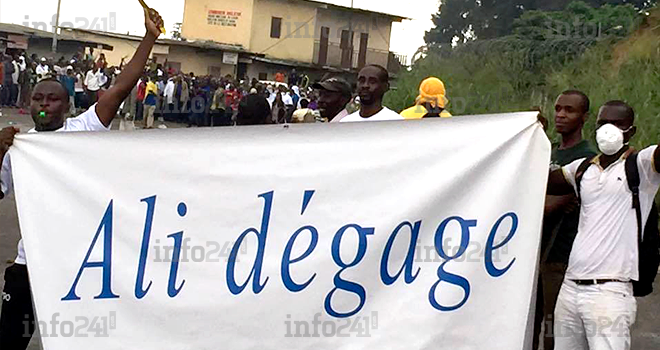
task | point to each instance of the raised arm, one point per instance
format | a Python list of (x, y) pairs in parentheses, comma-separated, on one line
[(557, 184), (108, 105)]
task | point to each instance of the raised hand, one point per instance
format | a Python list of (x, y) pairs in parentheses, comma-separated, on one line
[(108, 105), (153, 22), (7, 138)]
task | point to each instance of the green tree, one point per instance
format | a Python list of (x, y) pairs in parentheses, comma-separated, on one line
[(513, 72), (465, 20), (578, 21), (176, 32)]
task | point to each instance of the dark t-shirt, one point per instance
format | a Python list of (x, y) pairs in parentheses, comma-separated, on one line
[(253, 110), (560, 248)]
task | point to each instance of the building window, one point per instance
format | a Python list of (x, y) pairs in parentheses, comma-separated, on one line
[(263, 76), (276, 28), (323, 46), (364, 44), (346, 46)]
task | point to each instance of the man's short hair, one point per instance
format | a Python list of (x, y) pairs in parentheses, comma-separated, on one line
[(586, 104), (629, 112), (65, 90), (384, 75)]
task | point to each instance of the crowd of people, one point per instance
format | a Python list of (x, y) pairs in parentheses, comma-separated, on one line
[(165, 95), (160, 92), (597, 249), (211, 101)]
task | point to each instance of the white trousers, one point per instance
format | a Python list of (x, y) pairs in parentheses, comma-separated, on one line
[(597, 317)]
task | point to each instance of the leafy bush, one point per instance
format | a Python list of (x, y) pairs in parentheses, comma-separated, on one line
[(532, 67)]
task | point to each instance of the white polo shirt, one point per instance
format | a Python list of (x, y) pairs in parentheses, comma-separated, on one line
[(385, 114), (42, 71), (606, 243), (88, 121), (94, 81)]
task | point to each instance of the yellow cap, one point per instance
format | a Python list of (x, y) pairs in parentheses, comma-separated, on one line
[(432, 90)]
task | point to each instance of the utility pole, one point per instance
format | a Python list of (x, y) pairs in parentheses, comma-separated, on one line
[(56, 26)]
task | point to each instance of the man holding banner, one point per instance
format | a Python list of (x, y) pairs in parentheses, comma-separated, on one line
[(6, 140), (50, 102), (560, 223), (596, 306)]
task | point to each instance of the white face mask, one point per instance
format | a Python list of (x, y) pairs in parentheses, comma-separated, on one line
[(610, 139)]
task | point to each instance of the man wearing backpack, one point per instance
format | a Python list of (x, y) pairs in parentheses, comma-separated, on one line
[(611, 257)]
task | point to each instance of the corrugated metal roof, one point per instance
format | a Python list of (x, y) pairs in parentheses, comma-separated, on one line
[(17, 29), (203, 44), (297, 64), (23, 30), (348, 8)]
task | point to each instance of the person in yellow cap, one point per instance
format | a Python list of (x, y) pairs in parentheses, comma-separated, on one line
[(431, 101)]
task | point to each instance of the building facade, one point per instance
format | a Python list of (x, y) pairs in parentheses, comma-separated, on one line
[(299, 33), (198, 57), (18, 38), (243, 38)]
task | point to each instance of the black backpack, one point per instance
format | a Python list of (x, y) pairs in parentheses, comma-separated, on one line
[(649, 242)]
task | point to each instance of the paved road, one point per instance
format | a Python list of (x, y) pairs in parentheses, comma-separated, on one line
[(646, 333)]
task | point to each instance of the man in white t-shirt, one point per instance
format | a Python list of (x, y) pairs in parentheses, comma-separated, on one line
[(50, 102), (93, 82), (42, 70), (373, 83), (15, 85), (596, 307), (79, 88)]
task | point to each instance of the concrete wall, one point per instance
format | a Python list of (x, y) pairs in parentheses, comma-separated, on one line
[(334, 55), (121, 47), (378, 27), (196, 24), (42, 47), (198, 61), (301, 28), (298, 29), (192, 59)]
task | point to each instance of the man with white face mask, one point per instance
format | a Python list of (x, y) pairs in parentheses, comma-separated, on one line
[(596, 307)]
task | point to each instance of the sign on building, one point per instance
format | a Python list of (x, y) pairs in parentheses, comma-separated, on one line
[(223, 18), (230, 58), (17, 42)]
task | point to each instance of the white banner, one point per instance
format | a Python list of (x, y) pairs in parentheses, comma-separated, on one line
[(392, 235)]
